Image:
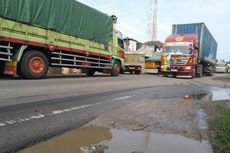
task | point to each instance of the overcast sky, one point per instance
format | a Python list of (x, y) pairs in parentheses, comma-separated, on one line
[(133, 17)]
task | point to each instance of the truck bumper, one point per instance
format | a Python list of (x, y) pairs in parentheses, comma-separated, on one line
[(178, 71), (155, 71), (133, 68), (177, 74)]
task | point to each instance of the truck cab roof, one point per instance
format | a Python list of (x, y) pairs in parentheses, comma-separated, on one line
[(182, 38)]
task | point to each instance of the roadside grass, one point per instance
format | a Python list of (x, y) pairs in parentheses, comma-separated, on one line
[(220, 130)]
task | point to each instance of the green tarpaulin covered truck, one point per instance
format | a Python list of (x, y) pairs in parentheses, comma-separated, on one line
[(37, 34)]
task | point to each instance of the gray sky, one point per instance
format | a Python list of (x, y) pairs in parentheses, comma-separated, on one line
[(133, 17)]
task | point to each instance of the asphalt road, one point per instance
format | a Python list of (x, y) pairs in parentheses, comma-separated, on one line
[(34, 110)]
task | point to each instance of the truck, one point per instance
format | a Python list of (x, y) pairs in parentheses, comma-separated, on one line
[(189, 52), (38, 34), (134, 63), (153, 63), (134, 60)]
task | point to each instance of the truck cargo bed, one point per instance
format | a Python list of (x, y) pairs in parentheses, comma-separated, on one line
[(12, 31), (64, 16)]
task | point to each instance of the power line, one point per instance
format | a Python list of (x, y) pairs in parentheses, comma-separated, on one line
[(127, 16), (131, 12), (120, 14)]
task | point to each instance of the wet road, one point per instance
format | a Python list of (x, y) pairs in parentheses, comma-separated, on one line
[(34, 110)]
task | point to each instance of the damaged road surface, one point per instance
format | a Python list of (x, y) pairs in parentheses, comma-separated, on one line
[(129, 114), (104, 140)]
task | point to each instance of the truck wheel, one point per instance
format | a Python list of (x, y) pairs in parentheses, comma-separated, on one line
[(200, 75), (200, 71), (34, 65), (90, 72), (2, 65), (19, 72), (211, 73), (116, 69), (174, 75), (138, 72), (193, 74)]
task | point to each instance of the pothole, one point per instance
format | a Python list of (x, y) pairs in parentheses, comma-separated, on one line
[(104, 140)]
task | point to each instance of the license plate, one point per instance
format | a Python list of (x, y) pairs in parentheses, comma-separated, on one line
[(174, 70), (131, 68)]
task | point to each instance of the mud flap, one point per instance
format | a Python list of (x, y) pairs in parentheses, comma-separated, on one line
[(10, 68)]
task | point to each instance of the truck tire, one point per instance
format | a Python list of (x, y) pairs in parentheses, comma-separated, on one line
[(211, 73), (2, 65), (193, 74), (116, 69), (200, 74), (90, 72), (19, 72), (138, 72), (174, 75), (33, 65)]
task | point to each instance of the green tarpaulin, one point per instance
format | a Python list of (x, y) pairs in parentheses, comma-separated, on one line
[(155, 58), (66, 16)]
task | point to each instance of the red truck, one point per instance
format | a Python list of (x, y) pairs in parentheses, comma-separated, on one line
[(189, 52)]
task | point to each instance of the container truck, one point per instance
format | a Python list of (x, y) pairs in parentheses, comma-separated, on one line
[(190, 51), (38, 34)]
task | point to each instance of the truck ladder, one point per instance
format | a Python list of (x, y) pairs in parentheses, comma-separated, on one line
[(5, 52), (75, 60)]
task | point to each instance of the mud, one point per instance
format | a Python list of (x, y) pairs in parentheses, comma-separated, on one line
[(103, 140), (183, 115), (174, 125), (173, 116), (73, 141), (215, 94)]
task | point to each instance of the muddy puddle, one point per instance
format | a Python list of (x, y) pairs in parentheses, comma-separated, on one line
[(104, 140), (215, 94)]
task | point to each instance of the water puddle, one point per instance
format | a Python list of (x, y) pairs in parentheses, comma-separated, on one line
[(103, 140), (215, 94), (220, 94)]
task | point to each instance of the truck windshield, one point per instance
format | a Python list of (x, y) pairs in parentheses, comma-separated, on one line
[(121, 43), (178, 49)]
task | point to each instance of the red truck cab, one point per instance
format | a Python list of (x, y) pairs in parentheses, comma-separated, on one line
[(179, 58)]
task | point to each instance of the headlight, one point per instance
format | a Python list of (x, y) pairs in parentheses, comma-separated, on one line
[(188, 68)]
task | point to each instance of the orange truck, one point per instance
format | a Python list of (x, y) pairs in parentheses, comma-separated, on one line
[(153, 64)]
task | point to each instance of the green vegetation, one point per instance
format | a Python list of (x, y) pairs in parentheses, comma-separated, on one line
[(220, 127)]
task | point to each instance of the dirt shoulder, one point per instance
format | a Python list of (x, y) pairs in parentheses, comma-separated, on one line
[(173, 116), (186, 116), (225, 77)]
